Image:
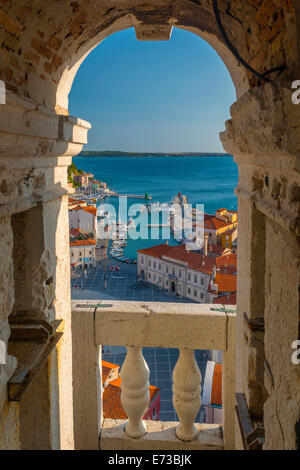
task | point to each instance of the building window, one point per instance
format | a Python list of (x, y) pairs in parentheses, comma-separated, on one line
[(154, 277), (173, 272), (202, 296), (189, 276), (195, 278), (149, 262), (167, 283), (189, 290), (195, 292), (210, 234), (154, 265), (167, 269), (179, 273), (202, 281), (142, 260), (149, 275)]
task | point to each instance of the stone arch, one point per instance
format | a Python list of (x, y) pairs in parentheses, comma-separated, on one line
[(42, 46), (238, 74), (42, 50)]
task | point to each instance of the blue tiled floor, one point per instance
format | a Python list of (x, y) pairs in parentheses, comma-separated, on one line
[(161, 363)]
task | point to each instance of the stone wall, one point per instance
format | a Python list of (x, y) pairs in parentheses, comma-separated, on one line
[(42, 44), (35, 269), (38, 46), (268, 257)]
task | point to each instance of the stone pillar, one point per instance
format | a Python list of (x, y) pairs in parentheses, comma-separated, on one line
[(36, 148), (263, 134)]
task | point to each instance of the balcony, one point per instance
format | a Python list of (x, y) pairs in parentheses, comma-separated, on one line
[(136, 325)]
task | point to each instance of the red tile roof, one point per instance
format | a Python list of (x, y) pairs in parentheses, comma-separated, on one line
[(226, 299), (225, 282), (227, 264), (74, 232), (213, 223), (83, 242), (193, 260), (216, 389), (91, 210), (216, 249), (112, 406), (107, 369), (157, 251)]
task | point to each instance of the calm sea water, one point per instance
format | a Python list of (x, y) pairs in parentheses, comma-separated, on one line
[(204, 180)]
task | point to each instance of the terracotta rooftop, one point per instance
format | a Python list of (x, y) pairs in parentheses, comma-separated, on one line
[(76, 201), (112, 406), (75, 232), (226, 299), (227, 262), (194, 260), (225, 282), (91, 210), (211, 222), (215, 249), (107, 369), (216, 389), (83, 242)]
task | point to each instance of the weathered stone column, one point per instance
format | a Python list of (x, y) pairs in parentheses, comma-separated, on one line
[(36, 148), (263, 134)]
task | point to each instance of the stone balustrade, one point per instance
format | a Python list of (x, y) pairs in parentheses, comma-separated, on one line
[(136, 325)]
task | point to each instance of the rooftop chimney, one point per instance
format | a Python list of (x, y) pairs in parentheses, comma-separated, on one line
[(205, 244)]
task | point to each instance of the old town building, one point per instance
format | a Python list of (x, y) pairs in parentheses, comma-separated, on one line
[(186, 273), (50, 387), (84, 219), (82, 254)]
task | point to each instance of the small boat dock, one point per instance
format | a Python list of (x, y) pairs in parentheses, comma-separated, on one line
[(132, 196)]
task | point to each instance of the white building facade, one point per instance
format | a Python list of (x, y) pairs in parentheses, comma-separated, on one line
[(177, 276), (84, 219), (82, 254)]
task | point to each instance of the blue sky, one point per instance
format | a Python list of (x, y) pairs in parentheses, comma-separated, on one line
[(171, 96)]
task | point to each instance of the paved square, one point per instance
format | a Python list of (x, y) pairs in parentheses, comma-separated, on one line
[(103, 284)]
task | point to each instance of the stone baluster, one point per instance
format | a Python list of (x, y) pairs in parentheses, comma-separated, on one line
[(135, 391), (186, 394)]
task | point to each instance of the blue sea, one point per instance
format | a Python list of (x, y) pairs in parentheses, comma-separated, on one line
[(204, 180)]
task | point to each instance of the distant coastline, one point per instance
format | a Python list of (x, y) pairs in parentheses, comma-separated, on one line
[(111, 153)]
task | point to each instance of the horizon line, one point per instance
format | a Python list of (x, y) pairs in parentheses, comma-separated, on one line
[(151, 152)]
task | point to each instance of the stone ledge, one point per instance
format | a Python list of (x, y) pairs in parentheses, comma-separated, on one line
[(160, 436), (157, 324)]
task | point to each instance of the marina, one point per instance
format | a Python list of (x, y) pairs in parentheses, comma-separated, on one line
[(131, 196)]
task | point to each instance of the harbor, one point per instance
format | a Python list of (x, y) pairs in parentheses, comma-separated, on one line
[(131, 196)]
